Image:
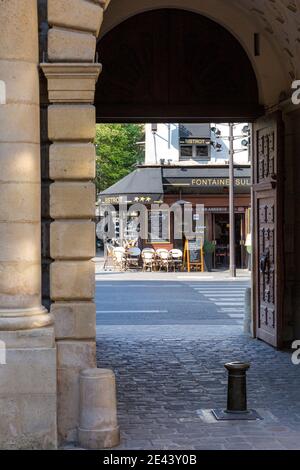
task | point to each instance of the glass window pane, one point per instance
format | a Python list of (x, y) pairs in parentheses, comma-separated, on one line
[(158, 226), (187, 151), (202, 151)]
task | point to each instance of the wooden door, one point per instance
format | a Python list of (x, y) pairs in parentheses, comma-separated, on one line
[(268, 228)]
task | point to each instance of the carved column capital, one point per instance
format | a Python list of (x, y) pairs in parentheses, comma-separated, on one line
[(71, 83)]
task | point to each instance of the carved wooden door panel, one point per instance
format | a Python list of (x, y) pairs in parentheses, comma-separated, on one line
[(268, 236)]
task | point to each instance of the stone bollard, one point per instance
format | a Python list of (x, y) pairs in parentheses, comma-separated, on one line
[(237, 388), (247, 312), (98, 425)]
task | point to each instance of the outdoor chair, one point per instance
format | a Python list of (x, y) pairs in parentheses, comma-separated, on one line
[(163, 259), (133, 258), (119, 258), (109, 255), (148, 257), (176, 258)]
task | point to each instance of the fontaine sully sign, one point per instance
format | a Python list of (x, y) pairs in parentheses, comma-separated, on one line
[(220, 182)]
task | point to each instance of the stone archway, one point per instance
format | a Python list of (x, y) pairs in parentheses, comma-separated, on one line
[(173, 64), (275, 66), (72, 72)]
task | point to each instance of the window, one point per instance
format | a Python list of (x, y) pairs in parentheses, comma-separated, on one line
[(158, 227), (195, 152), (202, 151), (187, 151)]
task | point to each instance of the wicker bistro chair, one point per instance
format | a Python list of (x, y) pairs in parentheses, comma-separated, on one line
[(148, 257), (163, 259), (133, 258), (176, 259), (119, 258), (109, 255)]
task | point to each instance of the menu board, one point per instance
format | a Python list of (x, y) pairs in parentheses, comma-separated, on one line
[(194, 249), (193, 254)]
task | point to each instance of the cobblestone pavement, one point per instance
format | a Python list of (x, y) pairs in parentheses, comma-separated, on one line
[(170, 376), (164, 382)]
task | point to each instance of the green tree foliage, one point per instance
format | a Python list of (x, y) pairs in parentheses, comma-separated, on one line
[(118, 152)]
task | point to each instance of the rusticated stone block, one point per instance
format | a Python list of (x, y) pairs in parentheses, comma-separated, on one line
[(72, 200), (72, 280), (72, 161), (75, 14), (71, 122), (74, 320), (70, 46), (72, 239)]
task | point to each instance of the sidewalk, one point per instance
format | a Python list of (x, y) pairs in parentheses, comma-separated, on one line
[(168, 384), (242, 274), (170, 367)]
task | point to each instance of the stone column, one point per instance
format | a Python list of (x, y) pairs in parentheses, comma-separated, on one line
[(27, 381), (72, 74), (71, 129)]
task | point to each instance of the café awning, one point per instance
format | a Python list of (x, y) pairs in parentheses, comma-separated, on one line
[(206, 179), (142, 185)]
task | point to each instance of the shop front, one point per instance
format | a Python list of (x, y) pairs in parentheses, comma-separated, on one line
[(159, 189)]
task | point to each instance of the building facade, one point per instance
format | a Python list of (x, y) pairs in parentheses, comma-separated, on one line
[(195, 144), (47, 125), (191, 161)]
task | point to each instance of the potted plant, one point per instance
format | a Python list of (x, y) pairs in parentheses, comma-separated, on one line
[(209, 249)]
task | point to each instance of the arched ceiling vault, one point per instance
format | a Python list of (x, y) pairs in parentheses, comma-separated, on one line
[(280, 20), (277, 21)]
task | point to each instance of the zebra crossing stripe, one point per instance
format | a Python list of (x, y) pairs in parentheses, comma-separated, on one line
[(230, 303)]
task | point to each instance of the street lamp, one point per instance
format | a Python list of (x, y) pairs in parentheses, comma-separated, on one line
[(232, 267)]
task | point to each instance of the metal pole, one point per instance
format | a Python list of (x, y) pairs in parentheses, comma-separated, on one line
[(232, 267)]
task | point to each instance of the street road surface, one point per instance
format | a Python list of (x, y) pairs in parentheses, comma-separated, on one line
[(170, 302)]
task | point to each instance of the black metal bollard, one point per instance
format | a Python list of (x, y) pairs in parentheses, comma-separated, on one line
[(237, 387), (236, 395)]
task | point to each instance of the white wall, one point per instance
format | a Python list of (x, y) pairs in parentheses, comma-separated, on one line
[(163, 144)]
